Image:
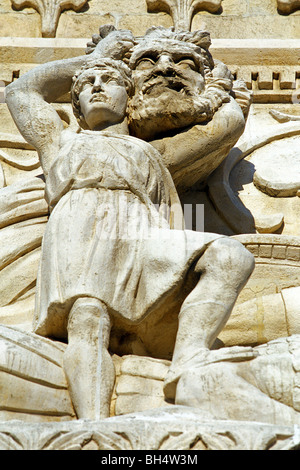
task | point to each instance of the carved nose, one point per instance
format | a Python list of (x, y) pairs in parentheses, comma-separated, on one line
[(97, 85), (165, 65)]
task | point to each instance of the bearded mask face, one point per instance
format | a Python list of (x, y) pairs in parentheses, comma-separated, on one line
[(169, 86)]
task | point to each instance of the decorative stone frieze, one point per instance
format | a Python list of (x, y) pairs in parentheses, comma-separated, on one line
[(136, 432)]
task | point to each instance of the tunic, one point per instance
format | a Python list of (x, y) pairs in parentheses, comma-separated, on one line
[(115, 232)]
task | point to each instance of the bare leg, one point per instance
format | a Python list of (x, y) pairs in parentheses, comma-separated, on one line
[(225, 268), (87, 362)]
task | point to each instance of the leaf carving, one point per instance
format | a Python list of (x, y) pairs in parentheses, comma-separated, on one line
[(50, 11), (9, 442), (182, 11), (68, 441)]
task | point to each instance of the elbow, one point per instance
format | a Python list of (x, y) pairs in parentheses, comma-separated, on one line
[(9, 89), (14, 95), (10, 93)]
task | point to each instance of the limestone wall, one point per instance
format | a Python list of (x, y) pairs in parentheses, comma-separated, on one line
[(259, 40), (235, 19)]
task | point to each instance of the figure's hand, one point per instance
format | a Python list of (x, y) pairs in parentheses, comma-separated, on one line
[(112, 43), (221, 71), (242, 95)]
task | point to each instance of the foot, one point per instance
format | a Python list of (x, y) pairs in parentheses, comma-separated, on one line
[(201, 358)]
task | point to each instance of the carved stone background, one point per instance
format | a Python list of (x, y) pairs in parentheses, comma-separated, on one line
[(50, 11), (237, 18), (259, 41)]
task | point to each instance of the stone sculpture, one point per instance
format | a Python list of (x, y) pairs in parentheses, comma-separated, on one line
[(115, 254), (268, 382)]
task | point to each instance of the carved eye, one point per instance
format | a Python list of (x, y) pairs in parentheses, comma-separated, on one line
[(114, 80), (108, 78), (145, 63), (87, 82), (186, 63), (105, 78)]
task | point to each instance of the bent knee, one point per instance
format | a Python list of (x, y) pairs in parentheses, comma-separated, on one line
[(229, 256)]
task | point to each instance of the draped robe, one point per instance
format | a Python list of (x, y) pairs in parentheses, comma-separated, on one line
[(115, 232)]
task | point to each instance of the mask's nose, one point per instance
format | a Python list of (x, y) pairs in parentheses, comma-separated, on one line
[(164, 65)]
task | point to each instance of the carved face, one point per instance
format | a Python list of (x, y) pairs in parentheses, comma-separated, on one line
[(167, 66), (169, 81), (102, 97)]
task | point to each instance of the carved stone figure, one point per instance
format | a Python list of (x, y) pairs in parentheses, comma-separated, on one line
[(114, 252), (263, 388), (200, 113)]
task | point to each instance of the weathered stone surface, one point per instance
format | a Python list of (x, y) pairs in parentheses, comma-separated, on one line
[(32, 380), (277, 173), (50, 11), (255, 355), (235, 19), (175, 429), (182, 11), (111, 100)]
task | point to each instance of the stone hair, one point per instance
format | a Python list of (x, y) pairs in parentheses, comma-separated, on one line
[(200, 39), (217, 85)]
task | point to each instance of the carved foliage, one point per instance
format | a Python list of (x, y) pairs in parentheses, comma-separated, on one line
[(182, 11), (50, 11), (255, 439)]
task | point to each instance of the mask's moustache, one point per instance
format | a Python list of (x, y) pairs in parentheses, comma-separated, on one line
[(159, 82)]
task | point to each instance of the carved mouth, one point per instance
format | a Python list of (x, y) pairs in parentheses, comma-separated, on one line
[(162, 84), (98, 97)]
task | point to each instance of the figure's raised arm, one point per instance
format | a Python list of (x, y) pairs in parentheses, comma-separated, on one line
[(193, 153), (29, 98), (184, 103)]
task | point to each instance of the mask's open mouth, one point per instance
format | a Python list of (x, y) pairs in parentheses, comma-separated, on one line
[(161, 84)]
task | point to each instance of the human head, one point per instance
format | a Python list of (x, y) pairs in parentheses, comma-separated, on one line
[(174, 81), (100, 93)]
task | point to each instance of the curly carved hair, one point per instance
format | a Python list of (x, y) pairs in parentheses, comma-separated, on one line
[(199, 39)]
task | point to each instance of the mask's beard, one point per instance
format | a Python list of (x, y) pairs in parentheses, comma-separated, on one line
[(164, 104)]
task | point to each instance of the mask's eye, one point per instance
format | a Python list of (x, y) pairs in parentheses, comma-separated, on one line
[(145, 63), (186, 63)]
